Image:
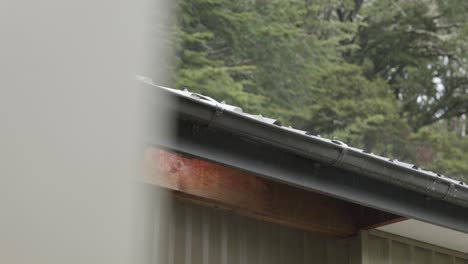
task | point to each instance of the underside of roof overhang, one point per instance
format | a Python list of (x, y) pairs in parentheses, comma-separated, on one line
[(200, 133), (428, 233)]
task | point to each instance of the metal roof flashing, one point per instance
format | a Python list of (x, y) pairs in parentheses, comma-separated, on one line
[(328, 152)]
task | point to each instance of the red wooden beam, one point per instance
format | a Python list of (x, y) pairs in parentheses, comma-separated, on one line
[(232, 189)]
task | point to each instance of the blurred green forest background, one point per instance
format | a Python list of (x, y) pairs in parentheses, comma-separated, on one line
[(387, 76)]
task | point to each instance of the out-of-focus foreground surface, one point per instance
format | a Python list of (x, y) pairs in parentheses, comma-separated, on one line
[(71, 129)]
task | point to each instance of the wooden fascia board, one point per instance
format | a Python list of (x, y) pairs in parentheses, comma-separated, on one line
[(232, 189)]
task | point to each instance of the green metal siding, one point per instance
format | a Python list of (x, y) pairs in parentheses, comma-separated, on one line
[(194, 234)]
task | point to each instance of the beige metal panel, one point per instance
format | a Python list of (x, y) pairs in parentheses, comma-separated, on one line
[(440, 258), (422, 256), (417, 243), (378, 250), (355, 250), (315, 249), (400, 253), (381, 247), (461, 261), (195, 234)]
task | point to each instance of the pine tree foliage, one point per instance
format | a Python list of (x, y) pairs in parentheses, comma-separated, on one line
[(388, 76)]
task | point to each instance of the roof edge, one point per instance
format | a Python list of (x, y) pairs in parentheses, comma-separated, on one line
[(328, 152)]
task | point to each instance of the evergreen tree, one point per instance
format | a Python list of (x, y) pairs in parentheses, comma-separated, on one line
[(386, 76)]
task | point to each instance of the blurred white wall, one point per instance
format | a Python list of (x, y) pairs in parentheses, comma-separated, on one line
[(71, 126)]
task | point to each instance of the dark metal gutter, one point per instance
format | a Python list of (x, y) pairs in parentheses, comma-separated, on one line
[(441, 191)]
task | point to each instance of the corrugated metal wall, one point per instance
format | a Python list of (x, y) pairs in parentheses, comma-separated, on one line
[(192, 234), (380, 247), (195, 234)]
